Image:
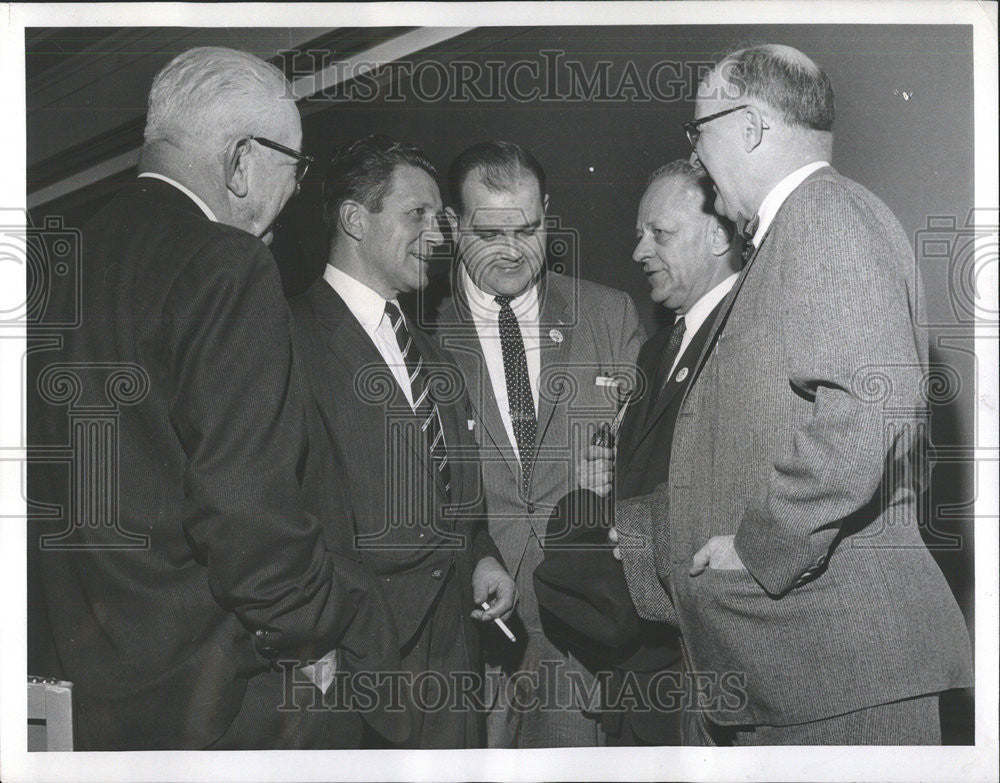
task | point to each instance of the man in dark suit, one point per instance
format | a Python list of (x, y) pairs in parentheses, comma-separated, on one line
[(542, 355), (390, 400), (786, 544), (689, 257), (183, 565)]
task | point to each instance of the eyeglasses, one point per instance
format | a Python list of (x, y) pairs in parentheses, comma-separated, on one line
[(693, 128), (302, 162)]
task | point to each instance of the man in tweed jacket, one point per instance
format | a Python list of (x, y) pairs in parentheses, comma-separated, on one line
[(785, 544)]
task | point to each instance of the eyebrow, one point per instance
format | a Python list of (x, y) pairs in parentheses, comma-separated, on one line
[(496, 227)]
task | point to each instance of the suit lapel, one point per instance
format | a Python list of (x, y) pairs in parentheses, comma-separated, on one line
[(634, 426), (719, 321), (458, 335), (675, 385), (350, 347), (555, 344)]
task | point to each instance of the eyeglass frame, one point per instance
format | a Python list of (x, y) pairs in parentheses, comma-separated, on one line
[(301, 158), (694, 126)]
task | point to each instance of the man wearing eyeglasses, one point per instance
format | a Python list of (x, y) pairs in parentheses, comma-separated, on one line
[(786, 540), (188, 578)]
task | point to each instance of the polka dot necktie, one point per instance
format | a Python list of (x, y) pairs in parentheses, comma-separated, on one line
[(670, 351), (519, 400), (423, 404)]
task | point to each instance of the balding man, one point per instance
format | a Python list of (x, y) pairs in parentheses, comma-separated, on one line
[(690, 260), (786, 538), (184, 568)]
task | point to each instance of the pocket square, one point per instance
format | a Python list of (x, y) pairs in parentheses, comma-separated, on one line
[(471, 424)]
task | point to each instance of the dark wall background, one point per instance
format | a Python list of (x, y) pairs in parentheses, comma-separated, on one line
[(904, 129)]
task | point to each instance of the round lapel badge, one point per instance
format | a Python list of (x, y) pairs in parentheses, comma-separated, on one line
[(681, 374), (555, 335)]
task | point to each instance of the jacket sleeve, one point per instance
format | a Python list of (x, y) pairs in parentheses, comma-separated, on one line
[(641, 526), (236, 408), (850, 352)]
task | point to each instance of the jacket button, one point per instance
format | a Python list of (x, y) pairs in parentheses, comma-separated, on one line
[(531, 508), (437, 573)]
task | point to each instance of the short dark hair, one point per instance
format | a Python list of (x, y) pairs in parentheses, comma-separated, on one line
[(498, 164), (797, 88), (362, 171), (697, 180)]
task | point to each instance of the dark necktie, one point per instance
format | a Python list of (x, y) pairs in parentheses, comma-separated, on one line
[(519, 400), (669, 356), (747, 230), (423, 404)]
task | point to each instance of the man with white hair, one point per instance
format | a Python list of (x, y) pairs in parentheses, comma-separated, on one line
[(786, 541), (180, 623)]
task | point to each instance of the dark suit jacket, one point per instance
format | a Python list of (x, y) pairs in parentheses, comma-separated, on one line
[(182, 562), (642, 462), (406, 531), (800, 435)]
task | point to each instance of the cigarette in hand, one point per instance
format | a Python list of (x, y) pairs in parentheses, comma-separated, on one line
[(500, 624)]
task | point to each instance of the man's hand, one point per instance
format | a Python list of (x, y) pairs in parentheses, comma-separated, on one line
[(491, 583), (613, 540), (595, 469), (719, 553)]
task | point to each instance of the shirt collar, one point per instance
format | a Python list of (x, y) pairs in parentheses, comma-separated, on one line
[(367, 305), (186, 191), (701, 309), (485, 307), (772, 201)]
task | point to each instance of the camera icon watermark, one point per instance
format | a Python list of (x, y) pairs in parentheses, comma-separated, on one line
[(967, 253), (49, 256)]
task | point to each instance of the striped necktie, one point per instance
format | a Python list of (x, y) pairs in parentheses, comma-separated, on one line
[(423, 404)]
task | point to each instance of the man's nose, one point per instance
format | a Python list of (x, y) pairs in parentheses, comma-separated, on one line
[(432, 234), (641, 252)]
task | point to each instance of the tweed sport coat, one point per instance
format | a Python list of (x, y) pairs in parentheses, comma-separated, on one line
[(801, 435), (588, 332)]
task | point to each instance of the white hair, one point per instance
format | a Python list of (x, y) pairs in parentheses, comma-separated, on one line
[(209, 95)]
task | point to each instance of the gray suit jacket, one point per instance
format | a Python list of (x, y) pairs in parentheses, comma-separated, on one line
[(588, 331), (802, 435)]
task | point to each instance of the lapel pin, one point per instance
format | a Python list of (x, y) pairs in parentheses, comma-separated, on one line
[(682, 374), (556, 335)]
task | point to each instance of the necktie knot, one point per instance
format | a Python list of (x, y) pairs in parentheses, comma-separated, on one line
[(747, 228), (503, 300), (393, 312)]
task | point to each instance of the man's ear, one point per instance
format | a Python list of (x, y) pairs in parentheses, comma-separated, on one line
[(238, 169), (754, 125), (720, 240), (352, 218)]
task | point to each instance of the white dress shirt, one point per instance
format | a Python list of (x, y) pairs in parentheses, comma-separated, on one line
[(368, 307), (486, 316), (772, 201), (699, 311), (186, 191)]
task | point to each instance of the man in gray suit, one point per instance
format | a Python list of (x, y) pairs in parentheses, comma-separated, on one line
[(542, 356), (786, 545)]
